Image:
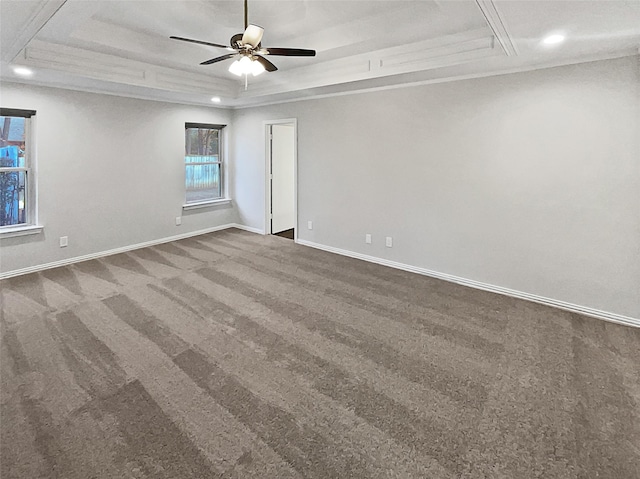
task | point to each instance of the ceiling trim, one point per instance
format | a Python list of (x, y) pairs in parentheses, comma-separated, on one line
[(506, 71), (426, 55), (102, 91), (496, 23), (101, 66), (447, 79), (45, 12)]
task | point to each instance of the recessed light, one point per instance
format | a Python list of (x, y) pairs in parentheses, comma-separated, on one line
[(22, 71), (215, 99), (553, 39)]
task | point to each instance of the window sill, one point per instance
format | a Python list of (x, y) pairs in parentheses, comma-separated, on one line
[(20, 231), (206, 204)]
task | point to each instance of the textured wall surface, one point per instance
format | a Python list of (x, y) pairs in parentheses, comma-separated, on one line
[(110, 173), (528, 181)]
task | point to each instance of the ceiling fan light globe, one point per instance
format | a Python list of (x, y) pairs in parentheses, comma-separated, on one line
[(235, 68), (256, 68), (243, 66)]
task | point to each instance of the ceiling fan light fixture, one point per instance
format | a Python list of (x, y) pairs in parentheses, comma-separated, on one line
[(246, 65), (248, 51), (235, 68), (239, 67), (256, 68)]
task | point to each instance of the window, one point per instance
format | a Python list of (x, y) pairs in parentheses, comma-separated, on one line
[(203, 163), (17, 176)]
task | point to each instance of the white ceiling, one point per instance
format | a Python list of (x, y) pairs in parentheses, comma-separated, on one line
[(123, 46)]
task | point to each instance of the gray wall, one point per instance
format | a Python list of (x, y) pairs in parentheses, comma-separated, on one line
[(110, 173), (527, 181)]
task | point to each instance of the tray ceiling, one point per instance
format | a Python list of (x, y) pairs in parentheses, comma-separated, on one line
[(123, 47)]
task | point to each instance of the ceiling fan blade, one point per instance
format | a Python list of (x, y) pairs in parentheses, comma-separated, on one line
[(270, 67), (219, 59), (199, 41), (289, 52), (252, 35)]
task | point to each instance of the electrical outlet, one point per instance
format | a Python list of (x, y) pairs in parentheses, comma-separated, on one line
[(389, 242), (178, 220), (64, 241), (367, 238), (310, 225)]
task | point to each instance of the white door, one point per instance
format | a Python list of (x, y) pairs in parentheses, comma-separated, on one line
[(282, 181)]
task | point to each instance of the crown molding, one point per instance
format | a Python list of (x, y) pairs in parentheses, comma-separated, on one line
[(45, 10), (105, 67), (146, 94), (444, 79), (498, 27), (261, 101), (419, 56)]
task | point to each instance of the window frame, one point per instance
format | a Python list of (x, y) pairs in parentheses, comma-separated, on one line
[(30, 226), (220, 162)]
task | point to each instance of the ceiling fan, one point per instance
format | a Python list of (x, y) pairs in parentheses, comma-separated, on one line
[(249, 52)]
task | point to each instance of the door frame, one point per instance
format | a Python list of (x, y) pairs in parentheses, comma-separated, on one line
[(267, 177)]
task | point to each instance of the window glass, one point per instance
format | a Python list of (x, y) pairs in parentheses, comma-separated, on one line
[(203, 163), (14, 171)]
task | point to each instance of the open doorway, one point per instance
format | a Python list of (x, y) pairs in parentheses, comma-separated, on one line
[(281, 217)]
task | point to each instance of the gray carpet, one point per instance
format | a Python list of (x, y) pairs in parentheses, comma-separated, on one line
[(237, 355)]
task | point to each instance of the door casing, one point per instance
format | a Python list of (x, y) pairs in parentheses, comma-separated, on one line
[(267, 202)]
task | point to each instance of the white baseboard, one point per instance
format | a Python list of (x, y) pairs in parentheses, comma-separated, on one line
[(123, 249), (596, 313), (248, 228), (575, 308)]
